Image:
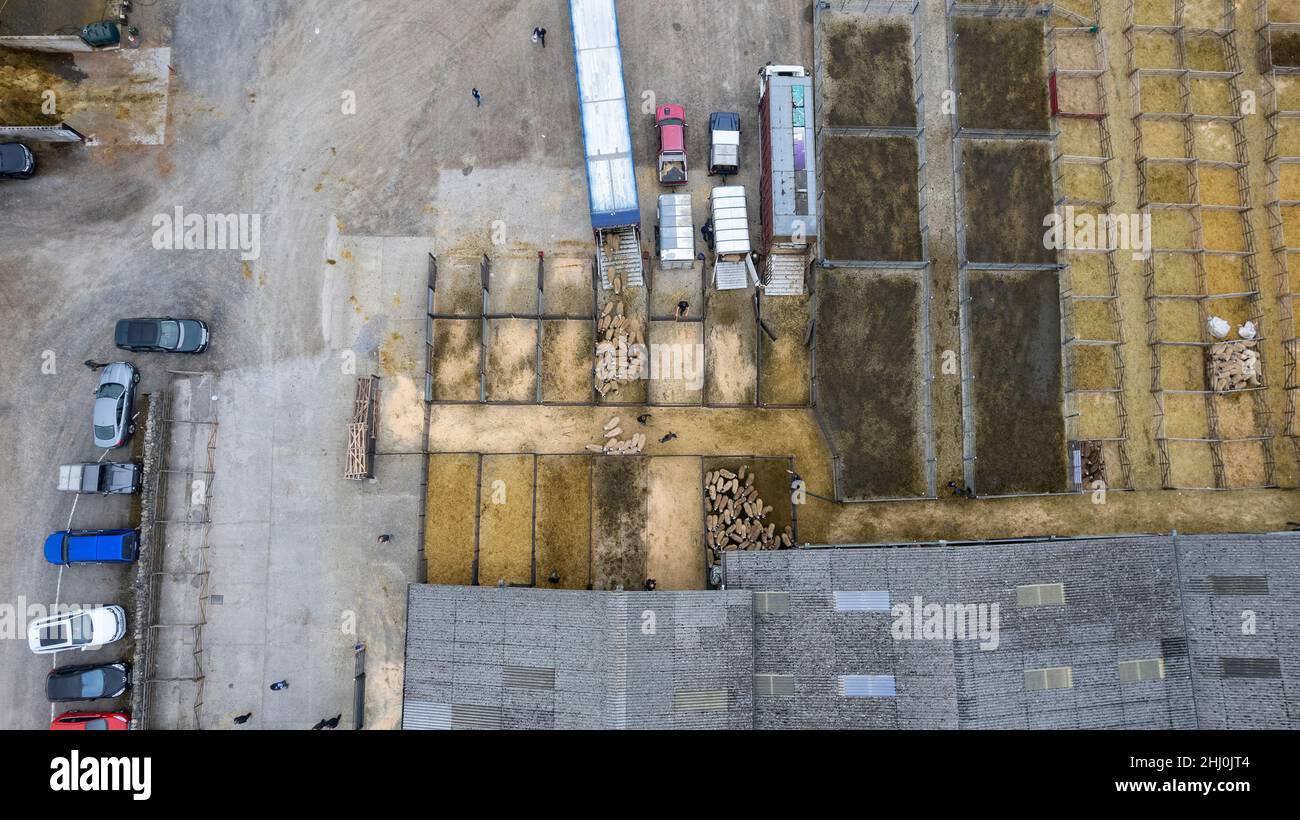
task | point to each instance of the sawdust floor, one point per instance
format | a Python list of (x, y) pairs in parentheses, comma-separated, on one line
[(456, 345), (674, 529), (770, 432), (869, 375), (1002, 73), (1015, 328), (1008, 189), (784, 365), (564, 521), (1089, 274), (1093, 367), (881, 171), (868, 75), (567, 346), (731, 368), (505, 542), (458, 290), (512, 286), (449, 522), (567, 288), (1099, 419), (676, 363), (511, 360), (673, 285), (618, 522), (1191, 464)]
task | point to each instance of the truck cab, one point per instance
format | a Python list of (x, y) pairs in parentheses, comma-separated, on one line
[(670, 122)]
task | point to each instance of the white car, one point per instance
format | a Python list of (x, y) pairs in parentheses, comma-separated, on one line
[(80, 629)]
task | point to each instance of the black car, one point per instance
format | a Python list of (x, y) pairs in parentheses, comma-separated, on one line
[(16, 161), (165, 335), (91, 681)]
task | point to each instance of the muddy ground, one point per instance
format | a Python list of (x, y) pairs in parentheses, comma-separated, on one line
[(772, 480), (1015, 326), (456, 344), (868, 75), (563, 528), (1001, 73), (511, 360), (459, 287), (731, 348), (784, 365), (1286, 48), (1008, 188), (618, 524), (869, 379), (872, 205)]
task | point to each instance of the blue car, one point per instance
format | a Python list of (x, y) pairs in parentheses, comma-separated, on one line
[(67, 547)]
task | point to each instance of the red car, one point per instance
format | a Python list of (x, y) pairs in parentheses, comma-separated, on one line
[(670, 121), (92, 721)]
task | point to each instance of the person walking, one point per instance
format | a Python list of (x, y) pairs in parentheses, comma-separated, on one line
[(385, 538), (333, 723), (94, 365), (643, 419), (682, 307), (279, 685), (478, 98), (539, 36), (240, 720), (320, 724), (667, 438), (706, 230), (650, 584)]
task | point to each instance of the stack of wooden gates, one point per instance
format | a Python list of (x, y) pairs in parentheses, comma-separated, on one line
[(361, 430)]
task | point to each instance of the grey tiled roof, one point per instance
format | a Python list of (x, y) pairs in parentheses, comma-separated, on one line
[(535, 658), (559, 659)]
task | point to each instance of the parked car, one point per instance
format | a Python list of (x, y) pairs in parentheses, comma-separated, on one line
[(92, 721), (724, 143), (115, 404), (670, 121), (105, 477), (68, 547), (90, 681), (81, 629), (16, 161), (165, 335)]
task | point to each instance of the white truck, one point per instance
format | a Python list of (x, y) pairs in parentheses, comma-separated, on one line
[(106, 478)]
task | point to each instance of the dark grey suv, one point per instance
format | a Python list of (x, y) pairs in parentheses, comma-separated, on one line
[(16, 161)]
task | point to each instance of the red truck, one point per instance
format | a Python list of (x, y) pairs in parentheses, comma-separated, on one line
[(670, 122)]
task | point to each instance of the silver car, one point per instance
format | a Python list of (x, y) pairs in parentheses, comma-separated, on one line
[(115, 405)]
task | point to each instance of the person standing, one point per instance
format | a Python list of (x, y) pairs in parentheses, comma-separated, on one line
[(279, 685), (240, 720), (478, 98)]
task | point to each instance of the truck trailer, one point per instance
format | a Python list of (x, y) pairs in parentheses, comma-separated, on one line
[(788, 177), (607, 141)]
